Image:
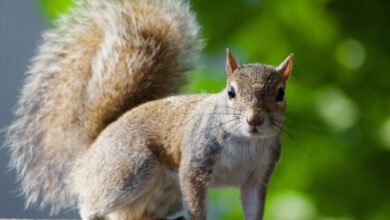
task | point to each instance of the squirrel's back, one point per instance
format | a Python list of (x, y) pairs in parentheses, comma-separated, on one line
[(103, 59)]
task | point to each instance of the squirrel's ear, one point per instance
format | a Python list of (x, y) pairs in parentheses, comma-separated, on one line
[(285, 67), (231, 64)]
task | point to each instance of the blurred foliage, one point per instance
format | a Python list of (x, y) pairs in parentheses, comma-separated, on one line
[(336, 152), (52, 9)]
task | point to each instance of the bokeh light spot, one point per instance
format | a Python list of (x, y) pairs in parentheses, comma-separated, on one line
[(292, 205), (338, 111), (385, 134), (351, 54)]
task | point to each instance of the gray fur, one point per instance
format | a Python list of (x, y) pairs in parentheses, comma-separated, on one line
[(216, 154)]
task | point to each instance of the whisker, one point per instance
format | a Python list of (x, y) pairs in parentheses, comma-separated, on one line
[(279, 125), (222, 113), (238, 128), (234, 129), (226, 122), (303, 124), (222, 105), (234, 125), (225, 113)]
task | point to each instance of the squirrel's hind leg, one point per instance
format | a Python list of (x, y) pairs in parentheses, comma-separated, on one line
[(119, 177)]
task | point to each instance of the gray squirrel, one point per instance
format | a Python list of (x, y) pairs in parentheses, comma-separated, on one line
[(96, 128)]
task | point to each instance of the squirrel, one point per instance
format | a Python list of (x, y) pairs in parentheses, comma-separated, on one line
[(98, 126)]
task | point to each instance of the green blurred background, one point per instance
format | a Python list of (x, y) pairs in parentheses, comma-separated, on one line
[(336, 150)]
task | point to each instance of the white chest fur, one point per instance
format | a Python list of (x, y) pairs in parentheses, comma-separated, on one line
[(239, 158)]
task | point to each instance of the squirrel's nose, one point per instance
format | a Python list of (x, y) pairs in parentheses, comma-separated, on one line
[(255, 121)]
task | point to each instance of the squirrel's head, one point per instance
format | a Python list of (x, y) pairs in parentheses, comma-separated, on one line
[(255, 96)]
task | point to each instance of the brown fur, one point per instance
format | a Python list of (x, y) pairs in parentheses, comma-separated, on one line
[(90, 133), (103, 59), (182, 141), (170, 116)]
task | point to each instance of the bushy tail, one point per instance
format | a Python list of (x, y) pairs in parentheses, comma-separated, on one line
[(104, 58)]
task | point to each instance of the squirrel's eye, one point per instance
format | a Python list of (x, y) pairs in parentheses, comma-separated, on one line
[(231, 92), (280, 96)]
